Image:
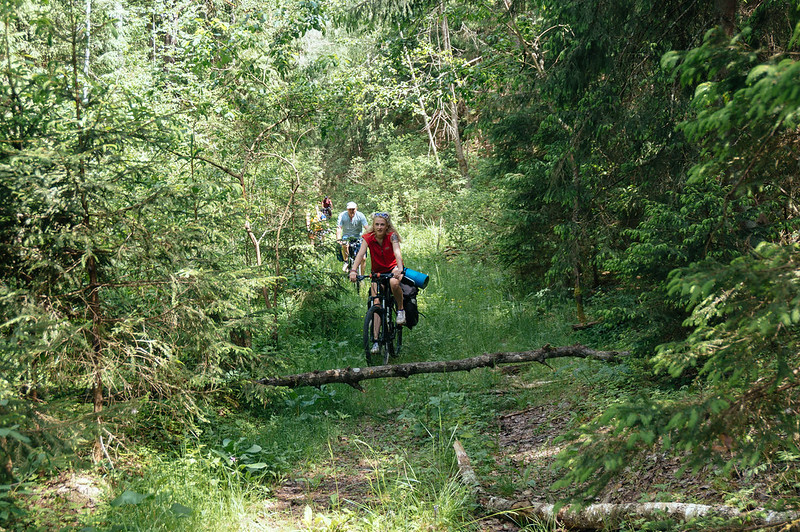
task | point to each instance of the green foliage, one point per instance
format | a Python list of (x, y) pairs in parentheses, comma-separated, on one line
[(155, 169), (251, 461), (754, 300), (583, 145), (117, 276), (193, 491), (405, 181), (742, 290)]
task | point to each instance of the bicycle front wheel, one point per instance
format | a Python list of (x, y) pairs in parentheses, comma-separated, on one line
[(398, 341), (389, 336), (374, 314)]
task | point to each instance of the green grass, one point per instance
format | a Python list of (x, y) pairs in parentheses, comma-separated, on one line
[(193, 491)]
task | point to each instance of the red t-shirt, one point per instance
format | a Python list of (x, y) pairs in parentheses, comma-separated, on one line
[(382, 256)]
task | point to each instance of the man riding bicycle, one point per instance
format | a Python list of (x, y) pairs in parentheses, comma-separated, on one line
[(349, 226), (384, 248)]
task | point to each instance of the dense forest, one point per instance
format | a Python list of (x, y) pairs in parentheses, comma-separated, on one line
[(617, 176)]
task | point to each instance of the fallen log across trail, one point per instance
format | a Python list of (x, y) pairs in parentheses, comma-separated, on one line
[(603, 516), (353, 376)]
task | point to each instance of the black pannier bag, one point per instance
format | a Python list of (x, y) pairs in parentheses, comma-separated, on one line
[(410, 291)]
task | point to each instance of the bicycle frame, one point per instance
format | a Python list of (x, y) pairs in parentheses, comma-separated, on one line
[(352, 251), (381, 316)]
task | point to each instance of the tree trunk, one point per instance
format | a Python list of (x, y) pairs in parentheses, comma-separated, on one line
[(87, 52), (353, 376), (97, 344), (424, 113), (727, 15), (454, 118), (576, 249), (604, 516), (81, 98), (463, 168), (259, 261)]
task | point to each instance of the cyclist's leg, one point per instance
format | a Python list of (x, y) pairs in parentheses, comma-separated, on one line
[(345, 255), (350, 262), (375, 301), (397, 292), (352, 249), (348, 256)]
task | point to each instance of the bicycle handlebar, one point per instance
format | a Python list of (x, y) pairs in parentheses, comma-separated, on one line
[(375, 275)]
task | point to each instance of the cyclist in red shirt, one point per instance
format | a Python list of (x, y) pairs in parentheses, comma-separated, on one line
[(384, 250)]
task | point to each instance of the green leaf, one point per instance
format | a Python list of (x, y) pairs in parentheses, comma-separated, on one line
[(759, 71), (795, 36), (10, 432), (181, 510), (130, 498)]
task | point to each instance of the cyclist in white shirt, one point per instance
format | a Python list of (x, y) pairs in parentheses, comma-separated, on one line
[(350, 224)]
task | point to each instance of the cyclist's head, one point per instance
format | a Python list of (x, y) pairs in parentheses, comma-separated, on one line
[(351, 207), (382, 223)]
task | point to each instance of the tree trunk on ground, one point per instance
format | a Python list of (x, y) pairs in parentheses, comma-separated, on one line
[(353, 376), (602, 516)]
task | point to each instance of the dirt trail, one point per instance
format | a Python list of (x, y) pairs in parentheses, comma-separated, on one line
[(526, 439)]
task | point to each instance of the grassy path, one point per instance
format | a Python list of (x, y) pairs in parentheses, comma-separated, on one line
[(383, 459), (338, 459)]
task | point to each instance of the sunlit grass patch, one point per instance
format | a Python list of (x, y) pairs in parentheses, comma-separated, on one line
[(408, 497), (192, 492)]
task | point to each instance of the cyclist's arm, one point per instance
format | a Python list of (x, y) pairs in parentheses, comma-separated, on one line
[(338, 232), (398, 256)]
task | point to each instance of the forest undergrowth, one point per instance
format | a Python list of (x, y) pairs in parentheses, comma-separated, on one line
[(336, 458)]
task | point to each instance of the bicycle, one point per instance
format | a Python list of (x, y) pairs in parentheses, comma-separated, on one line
[(316, 233), (389, 334), (353, 245)]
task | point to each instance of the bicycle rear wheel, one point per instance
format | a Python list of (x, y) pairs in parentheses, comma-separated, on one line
[(374, 312)]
